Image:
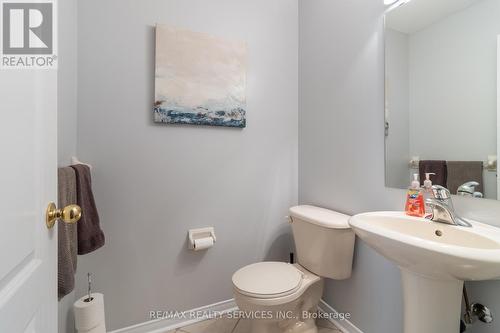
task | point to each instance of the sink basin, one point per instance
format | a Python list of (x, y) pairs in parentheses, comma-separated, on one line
[(434, 259), (432, 249)]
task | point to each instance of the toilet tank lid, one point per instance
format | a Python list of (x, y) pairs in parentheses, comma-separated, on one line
[(321, 216)]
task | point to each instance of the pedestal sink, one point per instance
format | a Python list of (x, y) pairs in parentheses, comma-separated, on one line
[(434, 260)]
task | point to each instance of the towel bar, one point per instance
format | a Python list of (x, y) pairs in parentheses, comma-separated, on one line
[(489, 165)]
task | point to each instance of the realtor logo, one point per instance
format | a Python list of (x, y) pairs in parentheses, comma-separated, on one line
[(28, 34)]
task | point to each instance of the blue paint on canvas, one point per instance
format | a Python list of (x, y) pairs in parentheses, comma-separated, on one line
[(199, 116)]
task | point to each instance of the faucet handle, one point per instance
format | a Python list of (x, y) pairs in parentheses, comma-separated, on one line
[(436, 204), (441, 192), (442, 212), (467, 189)]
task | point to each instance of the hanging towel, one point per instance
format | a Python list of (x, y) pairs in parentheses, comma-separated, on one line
[(90, 235), (461, 172), (438, 167), (67, 240)]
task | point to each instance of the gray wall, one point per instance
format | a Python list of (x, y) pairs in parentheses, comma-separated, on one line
[(154, 182), (67, 82), (67, 118), (397, 103), (341, 151)]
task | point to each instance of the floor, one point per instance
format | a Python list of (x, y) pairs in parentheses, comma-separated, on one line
[(225, 325)]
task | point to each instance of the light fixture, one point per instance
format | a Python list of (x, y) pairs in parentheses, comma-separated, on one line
[(392, 2)]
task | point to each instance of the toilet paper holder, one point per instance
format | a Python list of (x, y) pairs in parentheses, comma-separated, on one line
[(197, 234)]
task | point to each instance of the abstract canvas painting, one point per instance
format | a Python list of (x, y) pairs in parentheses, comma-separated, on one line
[(200, 79)]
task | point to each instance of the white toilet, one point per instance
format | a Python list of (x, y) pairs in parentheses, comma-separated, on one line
[(278, 297)]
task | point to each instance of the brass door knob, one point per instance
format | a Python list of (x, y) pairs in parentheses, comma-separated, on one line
[(69, 214)]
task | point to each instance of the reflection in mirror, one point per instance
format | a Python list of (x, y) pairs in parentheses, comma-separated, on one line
[(441, 94)]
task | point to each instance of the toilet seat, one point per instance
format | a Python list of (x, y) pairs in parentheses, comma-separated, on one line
[(268, 280)]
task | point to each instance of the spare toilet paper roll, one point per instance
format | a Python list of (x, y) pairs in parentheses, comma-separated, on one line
[(203, 243), (89, 316)]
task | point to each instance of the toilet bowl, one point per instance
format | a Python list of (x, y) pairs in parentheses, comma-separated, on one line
[(280, 297)]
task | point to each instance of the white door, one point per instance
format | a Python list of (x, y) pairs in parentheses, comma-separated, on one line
[(28, 171)]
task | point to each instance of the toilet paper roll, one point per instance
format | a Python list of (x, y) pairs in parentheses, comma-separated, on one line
[(203, 243), (89, 316)]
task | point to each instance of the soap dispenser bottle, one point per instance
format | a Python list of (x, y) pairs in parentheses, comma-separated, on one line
[(415, 205), (427, 192)]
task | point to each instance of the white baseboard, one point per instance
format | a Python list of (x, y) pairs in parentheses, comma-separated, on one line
[(163, 325), (342, 324)]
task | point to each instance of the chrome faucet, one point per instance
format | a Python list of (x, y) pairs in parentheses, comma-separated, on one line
[(442, 208), (469, 190)]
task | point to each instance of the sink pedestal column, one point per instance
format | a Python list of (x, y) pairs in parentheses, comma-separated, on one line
[(431, 305)]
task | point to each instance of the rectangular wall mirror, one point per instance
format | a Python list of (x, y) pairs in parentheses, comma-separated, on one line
[(441, 61)]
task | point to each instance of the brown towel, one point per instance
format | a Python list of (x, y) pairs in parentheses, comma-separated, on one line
[(461, 172), (90, 235), (438, 167), (67, 240)]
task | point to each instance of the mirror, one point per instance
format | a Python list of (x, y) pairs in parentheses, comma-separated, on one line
[(441, 94)]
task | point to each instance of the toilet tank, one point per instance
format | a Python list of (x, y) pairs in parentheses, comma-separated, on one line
[(324, 241)]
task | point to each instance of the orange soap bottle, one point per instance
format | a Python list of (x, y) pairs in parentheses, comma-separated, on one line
[(415, 205)]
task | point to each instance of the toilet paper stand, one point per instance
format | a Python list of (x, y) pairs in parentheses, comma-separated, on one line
[(201, 235)]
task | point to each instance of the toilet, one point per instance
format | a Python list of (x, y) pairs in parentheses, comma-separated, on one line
[(282, 297)]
